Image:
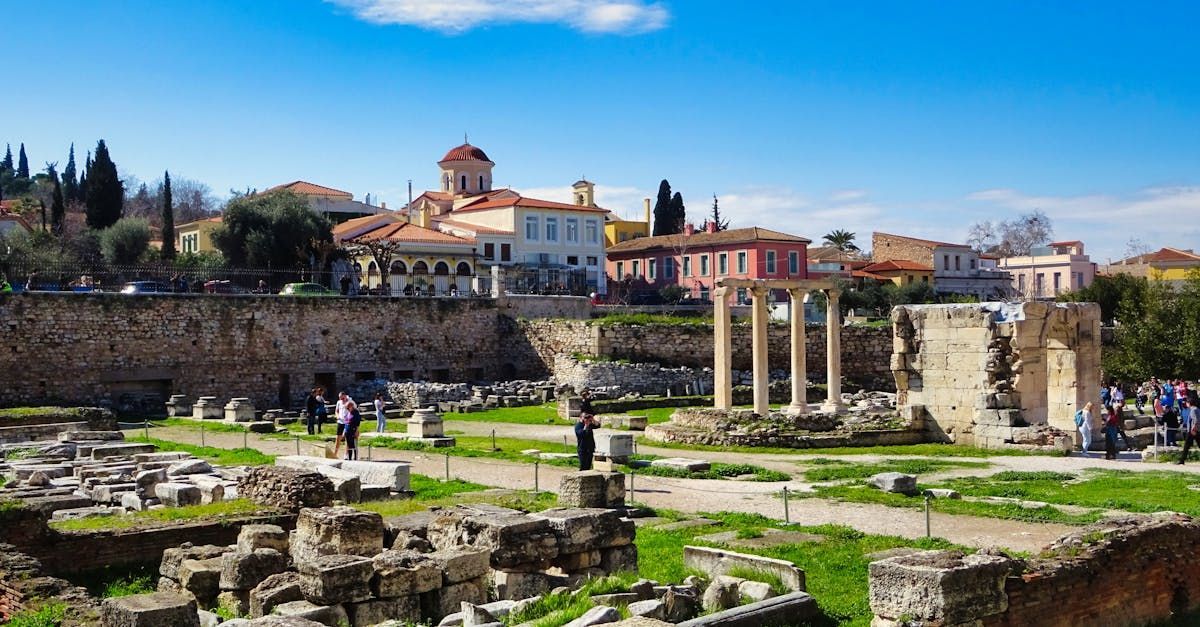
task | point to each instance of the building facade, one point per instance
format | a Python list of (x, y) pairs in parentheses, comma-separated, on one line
[(1050, 270), (424, 261), (335, 204), (957, 269), (901, 272), (196, 237), (617, 230), (1165, 264)]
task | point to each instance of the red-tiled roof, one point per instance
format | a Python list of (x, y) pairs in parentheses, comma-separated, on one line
[(925, 242), (354, 224), (304, 188), (897, 265), (703, 238), (465, 152), (521, 201), (12, 217), (466, 226), (863, 274), (216, 219), (409, 232), (1163, 255), (1074, 241)]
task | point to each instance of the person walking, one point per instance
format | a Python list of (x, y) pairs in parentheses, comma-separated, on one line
[(311, 406), (585, 440), (1083, 422), (345, 406), (1110, 434), (1142, 397), (1118, 397), (1192, 414), (380, 419), (353, 425)]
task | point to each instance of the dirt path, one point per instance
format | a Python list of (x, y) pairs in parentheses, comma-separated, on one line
[(687, 495)]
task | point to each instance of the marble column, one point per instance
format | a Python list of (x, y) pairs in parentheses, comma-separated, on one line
[(722, 350), (760, 319), (799, 358), (833, 353)]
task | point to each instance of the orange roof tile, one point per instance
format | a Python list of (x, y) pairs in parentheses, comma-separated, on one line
[(409, 232), (1068, 243), (895, 265), (532, 203), (465, 152), (703, 238), (1163, 255), (486, 230), (863, 274), (304, 188)]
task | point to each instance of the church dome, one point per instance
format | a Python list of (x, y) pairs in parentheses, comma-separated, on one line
[(465, 152)]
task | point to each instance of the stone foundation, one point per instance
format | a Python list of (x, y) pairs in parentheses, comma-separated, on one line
[(741, 427)]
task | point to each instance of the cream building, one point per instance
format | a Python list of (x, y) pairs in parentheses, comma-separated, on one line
[(511, 229)]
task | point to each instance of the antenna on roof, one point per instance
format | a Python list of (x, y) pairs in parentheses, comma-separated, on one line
[(465, 138)]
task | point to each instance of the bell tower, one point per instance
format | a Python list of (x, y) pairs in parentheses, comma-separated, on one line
[(466, 171)]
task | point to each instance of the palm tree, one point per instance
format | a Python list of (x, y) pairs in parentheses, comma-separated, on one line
[(841, 240)]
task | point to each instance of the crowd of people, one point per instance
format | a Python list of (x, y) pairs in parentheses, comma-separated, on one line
[(1173, 402), (347, 417)]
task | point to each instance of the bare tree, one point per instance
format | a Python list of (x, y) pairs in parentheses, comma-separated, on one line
[(1011, 238), (982, 236), (1135, 247), (382, 250)]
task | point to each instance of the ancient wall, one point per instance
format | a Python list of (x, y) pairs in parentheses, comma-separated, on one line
[(865, 350), (1131, 571), (643, 378), (993, 374)]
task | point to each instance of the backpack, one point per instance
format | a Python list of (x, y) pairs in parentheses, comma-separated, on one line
[(1079, 418)]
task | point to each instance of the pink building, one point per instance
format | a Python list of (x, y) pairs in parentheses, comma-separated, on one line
[(696, 260), (1050, 270)]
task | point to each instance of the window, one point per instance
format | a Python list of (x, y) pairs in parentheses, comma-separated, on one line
[(551, 229), (925, 278), (592, 232), (572, 230), (703, 265), (620, 270), (531, 228), (669, 267), (793, 262), (637, 268), (446, 183), (741, 295), (741, 268), (957, 263), (489, 250), (1021, 283), (723, 263), (972, 263), (651, 265), (591, 261), (464, 183), (1038, 282), (687, 265), (506, 252), (481, 182), (770, 262), (1057, 282), (572, 260), (945, 262)]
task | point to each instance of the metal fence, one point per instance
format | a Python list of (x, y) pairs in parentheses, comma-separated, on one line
[(557, 281)]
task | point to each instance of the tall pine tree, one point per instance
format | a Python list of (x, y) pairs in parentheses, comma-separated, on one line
[(168, 219), (664, 222), (715, 218), (105, 194), (58, 207), (7, 164), (81, 190), (678, 212), (70, 184), (22, 164)]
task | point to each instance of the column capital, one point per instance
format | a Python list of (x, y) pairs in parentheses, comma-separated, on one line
[(760, 290), (833, 294), (720, 290)]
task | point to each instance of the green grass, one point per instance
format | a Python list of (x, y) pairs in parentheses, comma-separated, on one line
[(754, 574), (222, 456), (237, 508), (615, 319), (922, 450), (118, 581), (718, 470), (529, 415), (555, 609), (1142, 492), (837, 469), (49, 615), (835, 569), (860, 493), (656, 415), (209, 425), (429, 492)]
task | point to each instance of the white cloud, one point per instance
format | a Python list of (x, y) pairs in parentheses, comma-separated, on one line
[(458, 16), (846, 195)]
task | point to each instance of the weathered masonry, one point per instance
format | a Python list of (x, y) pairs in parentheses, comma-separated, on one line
[(994, 373)]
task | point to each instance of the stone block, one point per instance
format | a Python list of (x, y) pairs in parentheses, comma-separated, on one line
[(275, 590), (347, 487), (682, 463), (206, 408), (425, 423), (252, 537), (586, 488), (212, 489), (90, 436), (391, 474), (718, 562), (244, 571), (330, 579), (189, 467), (599, 615), (583, 529), (147, 479), (120, 450), (404, 573), (614, 489), (459, 564), (177, 494), (47, 505), (523, 585), (202, 578), (449, 599), (173, 557), (132, 502), (239, 409), (512, 537), (331, 615), (285, 488), (652, 608), (150, 610), (755, 590), (939, 587), (375, 611), (896, 482), (336, 530), (721, 594), (111, 492), (497, 610), (619, 559), (618, 445), (796, 608)]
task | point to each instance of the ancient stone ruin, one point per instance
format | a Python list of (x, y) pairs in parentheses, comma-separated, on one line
[(997, 374)]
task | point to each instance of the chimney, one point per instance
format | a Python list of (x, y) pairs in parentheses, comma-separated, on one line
[(383, 205), (689, 229), (710, 226), (646, 204)]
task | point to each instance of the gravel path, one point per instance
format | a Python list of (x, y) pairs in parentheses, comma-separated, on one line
[(687, 495)]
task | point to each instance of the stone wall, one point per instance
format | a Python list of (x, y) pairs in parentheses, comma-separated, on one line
[(23, 585), (994, 374), (865, 350), (642, 378), (1130, 571)]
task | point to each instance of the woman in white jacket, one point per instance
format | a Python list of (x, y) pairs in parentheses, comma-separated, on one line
[(1083, 420)]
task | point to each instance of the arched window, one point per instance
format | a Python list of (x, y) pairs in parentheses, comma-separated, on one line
[(464, 183), (446, 183), (420, 267), (481, 182), (441, 269), (398, 267), (464, 269)]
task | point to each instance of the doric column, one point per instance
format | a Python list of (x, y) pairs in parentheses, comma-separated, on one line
[(799, 362), (722, 350), (833, 353), (760, 319)]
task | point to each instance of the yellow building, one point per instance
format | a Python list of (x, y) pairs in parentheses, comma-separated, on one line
[(1166, 264), (196, 237), (617, 230), (901, 271)]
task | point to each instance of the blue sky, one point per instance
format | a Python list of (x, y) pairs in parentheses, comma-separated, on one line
[(911, 117)]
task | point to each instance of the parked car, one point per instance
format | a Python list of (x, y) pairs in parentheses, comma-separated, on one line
[(224, 287), (306, 289), (146, 287)]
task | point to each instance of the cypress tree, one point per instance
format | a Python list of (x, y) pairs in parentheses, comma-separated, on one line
[(81, 191), (70, 186), (58, 208), (678, 212), (7, 164), (715, 218), (22, 164), (168, 218), (105, 194), (663, 222)]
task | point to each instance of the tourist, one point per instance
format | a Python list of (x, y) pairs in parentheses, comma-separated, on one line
[(1171, 422), (1168, 395), (1083, 421), (1105, 395), (1181, 392), (322, 408), (353, 424), (585, 440), (1110, 434), (342, 411), (380, 419), (310, 409), (1191, 415), (1142, 397), (1117, 396)]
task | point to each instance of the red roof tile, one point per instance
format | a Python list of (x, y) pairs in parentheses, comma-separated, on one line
[(703, 238), (532, 203), (304, 188), (465, 152), (486, 230), (409, 232), (1163, 255), (896, 265)]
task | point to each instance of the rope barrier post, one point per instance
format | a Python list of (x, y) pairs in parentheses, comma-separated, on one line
[(493, 439), (928, 499), (370, 454), (447, 466), (201, 434), (632, 494), (787, 518), (245, 438), (146, 428), (536, 465)]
